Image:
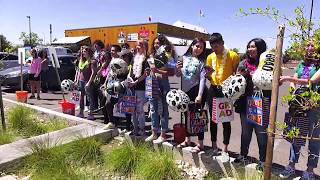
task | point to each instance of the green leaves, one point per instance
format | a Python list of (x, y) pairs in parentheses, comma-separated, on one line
[(298, 27)]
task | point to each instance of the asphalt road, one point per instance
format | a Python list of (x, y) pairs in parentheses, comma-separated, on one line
[(281, 146)]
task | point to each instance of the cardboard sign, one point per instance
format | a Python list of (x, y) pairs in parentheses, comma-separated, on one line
[(128, 104), (254, 110), (222, 110), (116, 111), (53, 57), (197, 121)]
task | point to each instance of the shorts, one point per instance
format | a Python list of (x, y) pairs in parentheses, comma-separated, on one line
[(32, 78)]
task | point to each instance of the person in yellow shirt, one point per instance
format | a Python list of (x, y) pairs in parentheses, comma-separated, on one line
[(219, 66)]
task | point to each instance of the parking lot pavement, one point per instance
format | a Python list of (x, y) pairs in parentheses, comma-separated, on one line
[(281, 147)]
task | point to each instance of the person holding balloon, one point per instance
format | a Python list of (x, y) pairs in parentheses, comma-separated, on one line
[(247, 67), (192, 70), (219, 66)]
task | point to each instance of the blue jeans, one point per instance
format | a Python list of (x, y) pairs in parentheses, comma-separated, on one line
[(246, 135), (89, 92), (164, 88), (138, 118), (314, 145)]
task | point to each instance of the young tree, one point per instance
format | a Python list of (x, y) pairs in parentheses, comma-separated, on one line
[(298, 27), (4, 43), (35, 39)]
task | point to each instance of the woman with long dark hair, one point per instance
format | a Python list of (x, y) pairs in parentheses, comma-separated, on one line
[(247, 67), (192, 70), (162, 53), (85, 75)]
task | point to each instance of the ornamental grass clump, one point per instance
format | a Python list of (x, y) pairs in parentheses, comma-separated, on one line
[(25, 121), (6, 137), (126, 158), (46, 163), (84, 151), (22, 119), (158, 166)]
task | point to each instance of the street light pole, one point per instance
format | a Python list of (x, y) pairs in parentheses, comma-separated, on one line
[(310, 19), (29, 29)]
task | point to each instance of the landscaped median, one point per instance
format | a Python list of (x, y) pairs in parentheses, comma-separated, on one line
[(76, 149)]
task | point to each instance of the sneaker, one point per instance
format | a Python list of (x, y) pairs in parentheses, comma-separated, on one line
[(32, 97), (109, 126), (260, 166), (308, 176), (86, 108), (152, 137), (215, 152), (38, 98), (287, 172), (90, 117), (240, 159), (159, 140), (80, 115)]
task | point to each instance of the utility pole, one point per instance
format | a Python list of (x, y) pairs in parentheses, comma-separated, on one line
[(50, 34), (310, 20), (29, 29)]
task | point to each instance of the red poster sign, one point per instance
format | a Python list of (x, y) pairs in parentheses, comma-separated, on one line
[(144, 34)]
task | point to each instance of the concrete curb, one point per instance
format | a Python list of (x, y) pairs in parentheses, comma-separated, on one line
[(49, 111)]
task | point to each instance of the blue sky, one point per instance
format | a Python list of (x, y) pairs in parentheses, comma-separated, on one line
[(220, 16)]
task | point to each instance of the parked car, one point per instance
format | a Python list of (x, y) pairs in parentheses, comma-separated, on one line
[(8, 60), (67, 70)]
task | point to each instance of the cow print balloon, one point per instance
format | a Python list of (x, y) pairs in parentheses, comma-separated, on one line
[(178, 100), (234, 86), (67, 85)]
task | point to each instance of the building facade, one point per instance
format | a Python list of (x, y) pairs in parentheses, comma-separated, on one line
[(131, 33)]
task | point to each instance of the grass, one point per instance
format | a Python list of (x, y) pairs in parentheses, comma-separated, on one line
[(64, 162), (7, 137), (125, 159), (158, 166), (25, 122)]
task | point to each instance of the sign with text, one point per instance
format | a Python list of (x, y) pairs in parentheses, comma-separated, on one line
[(133, 37), (128, 104), (75, 97), (254, 110), (222, 110), (197, 121), (144, 34)]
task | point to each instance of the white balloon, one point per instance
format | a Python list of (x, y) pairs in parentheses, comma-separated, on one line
[(234, 86)]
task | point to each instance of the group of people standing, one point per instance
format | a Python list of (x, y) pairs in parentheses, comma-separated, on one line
[(94, 73)]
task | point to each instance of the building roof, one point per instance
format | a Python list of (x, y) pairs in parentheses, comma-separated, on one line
[(189, 26), (70, 40)]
